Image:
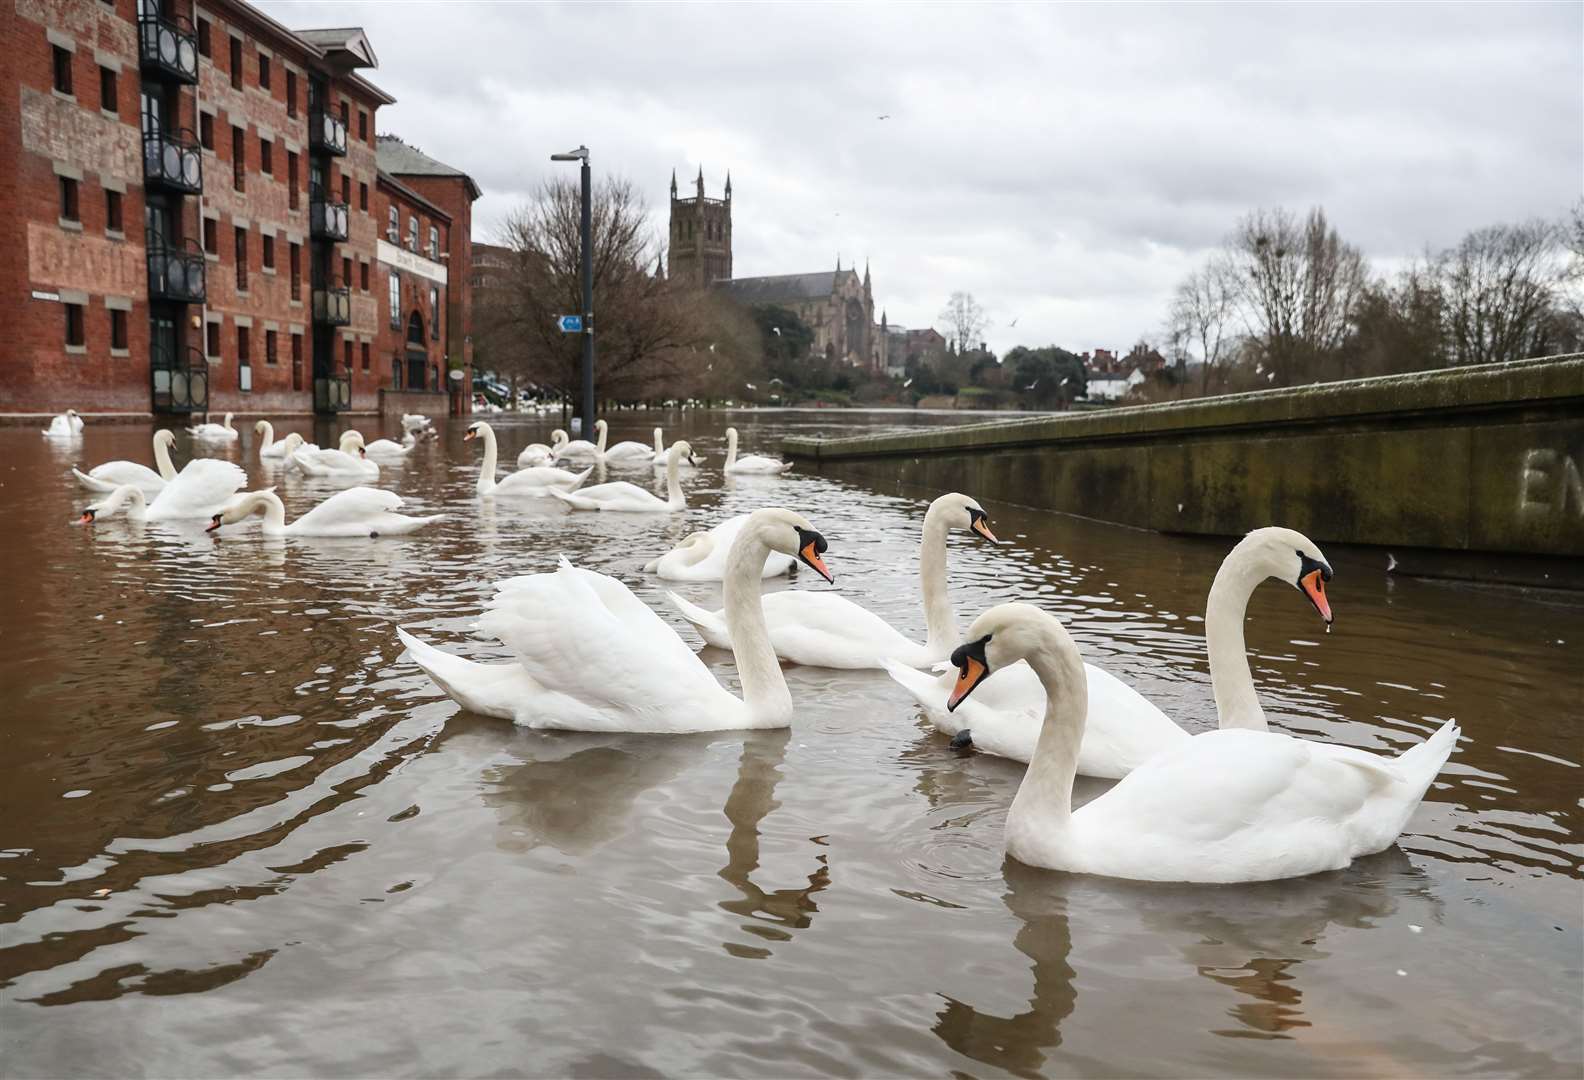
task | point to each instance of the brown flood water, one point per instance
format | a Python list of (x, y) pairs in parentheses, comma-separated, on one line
[(241, 834)]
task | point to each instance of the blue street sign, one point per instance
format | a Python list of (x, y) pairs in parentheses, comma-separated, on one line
[(570, 324)]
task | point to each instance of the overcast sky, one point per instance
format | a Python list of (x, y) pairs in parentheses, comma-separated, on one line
[(1065, 164)]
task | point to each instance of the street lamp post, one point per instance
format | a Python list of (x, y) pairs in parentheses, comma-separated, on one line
[(582, 154)]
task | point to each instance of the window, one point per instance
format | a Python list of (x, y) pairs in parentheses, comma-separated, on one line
[(264, 71), (346, 190), (434, 242), (74, 325), (393, 229), (363, 274), (297, 362), (363, 197), (396, 373), (69, 210), (412, 234), (346, 354), (63, 72), (295, 254), (244, 360), (291, 179), (434, 313), (346, 118), (238, 157), (268, 251), (365, 356), (269, 348), (211, 236), (236, 63), (113, 214), (118, 328), (267, 157), (346, 271), (206, 130), (241, 259), (291, 93), (395, 299), (212, 339), (362, 125), (107, 90), (203, 38)]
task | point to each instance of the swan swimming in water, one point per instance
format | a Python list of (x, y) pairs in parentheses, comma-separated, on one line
[(702, 555), (630, 498), (112, 474), (1235, 805), (355, 512), (68, 425), (540, 454), (534, 481), (270, 451), (347, 460), (749, 464), (581, 450), (591, 656), (224, 432), (202, 489)]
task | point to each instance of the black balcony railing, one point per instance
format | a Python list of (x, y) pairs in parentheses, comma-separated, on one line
[(332, 302), (168, 47), (332, 393), (326, 133), (327, 216), (175, 271), (179, 379), (173, 161)]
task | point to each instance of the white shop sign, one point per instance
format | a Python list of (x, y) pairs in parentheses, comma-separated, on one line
[(407, 262)]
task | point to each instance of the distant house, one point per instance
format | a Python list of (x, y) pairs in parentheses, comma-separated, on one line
[(1114, 387)]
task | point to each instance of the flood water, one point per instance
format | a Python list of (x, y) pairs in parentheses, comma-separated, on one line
[(241, 834)]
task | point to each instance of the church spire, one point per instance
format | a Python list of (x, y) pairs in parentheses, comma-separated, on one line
[(673, 183), (728, 185), (866, 277), (838, 262), (701, 182)]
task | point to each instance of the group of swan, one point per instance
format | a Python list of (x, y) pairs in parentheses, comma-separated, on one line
[(619, 495), (532, 480), (203, 488), (1240, 804)]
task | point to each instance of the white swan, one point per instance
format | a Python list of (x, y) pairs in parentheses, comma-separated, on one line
[(1124, 728), (355, 512), (214, 431), (582, 450), (112, 474), (67, 425), (628, 498), (346, 461), (389, 448), (749, 463), (416, 423), (269, 450), (540, 454), (702, 556), (628, 452), (1225, 806), (536, 480), (591, 656), (202, 489), (824, 629), (659, 458)]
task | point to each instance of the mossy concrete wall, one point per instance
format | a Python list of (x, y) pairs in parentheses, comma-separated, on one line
[(1439, 465)]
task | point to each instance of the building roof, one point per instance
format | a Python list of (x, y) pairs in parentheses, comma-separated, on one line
[(412, 196), (399, 159), (781, 288), (346, 43)]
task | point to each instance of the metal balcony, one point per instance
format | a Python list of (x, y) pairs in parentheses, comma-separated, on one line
[(326, 133), (327, 217), (332, 393), (179, 379), (168, 48), (175, 271), (173, 161), (332, 302)]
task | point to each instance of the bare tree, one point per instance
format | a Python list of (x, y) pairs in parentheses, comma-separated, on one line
[(1501, 288), (1298, 287), (1202, 312), (966, 320), (643, 324)]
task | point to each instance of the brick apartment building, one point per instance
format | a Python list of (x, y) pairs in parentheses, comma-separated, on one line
[(205, 223)]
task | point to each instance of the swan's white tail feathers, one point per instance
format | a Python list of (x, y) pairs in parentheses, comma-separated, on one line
[(707, 622), (582, 476), (93, 483), (653, 566), (453, 674), (914, 681), (1424, 761)]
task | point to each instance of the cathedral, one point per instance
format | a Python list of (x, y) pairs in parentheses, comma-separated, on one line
[(837, 304)]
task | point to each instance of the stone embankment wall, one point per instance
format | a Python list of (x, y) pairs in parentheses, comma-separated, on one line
[(1473, 472)]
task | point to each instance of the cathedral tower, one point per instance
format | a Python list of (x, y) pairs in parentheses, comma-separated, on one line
[(700, 235)]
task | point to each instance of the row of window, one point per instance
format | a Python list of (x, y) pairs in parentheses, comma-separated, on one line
[(365, 130), (77, 331), (393, 233), (266, 158), (393, 302), (71, 205), (109, 81)]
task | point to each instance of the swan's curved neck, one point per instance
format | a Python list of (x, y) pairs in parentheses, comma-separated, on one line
[(674, 485), (486, 480), (273, 510), (601, 429), (227, 424), (130, 496), (267, 439), (764, 687), (731, 447), (941, 621), (1045, 795), (1237, 703), (162, 459), (659, 446)]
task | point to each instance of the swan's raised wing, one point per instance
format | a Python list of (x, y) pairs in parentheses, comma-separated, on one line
[(200, 490), (354, 506), (588, 637)]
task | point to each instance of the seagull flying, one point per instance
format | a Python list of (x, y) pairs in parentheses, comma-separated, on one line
[(712, 346), (906, 383), (1014, 321), (776, 330), (1032, 385), (885, 116)]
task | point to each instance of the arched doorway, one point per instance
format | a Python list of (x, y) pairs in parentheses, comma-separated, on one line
[(417, 354)]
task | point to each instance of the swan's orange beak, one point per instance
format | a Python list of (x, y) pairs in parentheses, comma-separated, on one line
[(812, 557), (1314, 588), (970, 675), (981, 525), (214, 523), (87, 518), (470, 436)]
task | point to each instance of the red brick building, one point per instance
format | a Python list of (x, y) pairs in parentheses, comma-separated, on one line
[(200, 214)]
